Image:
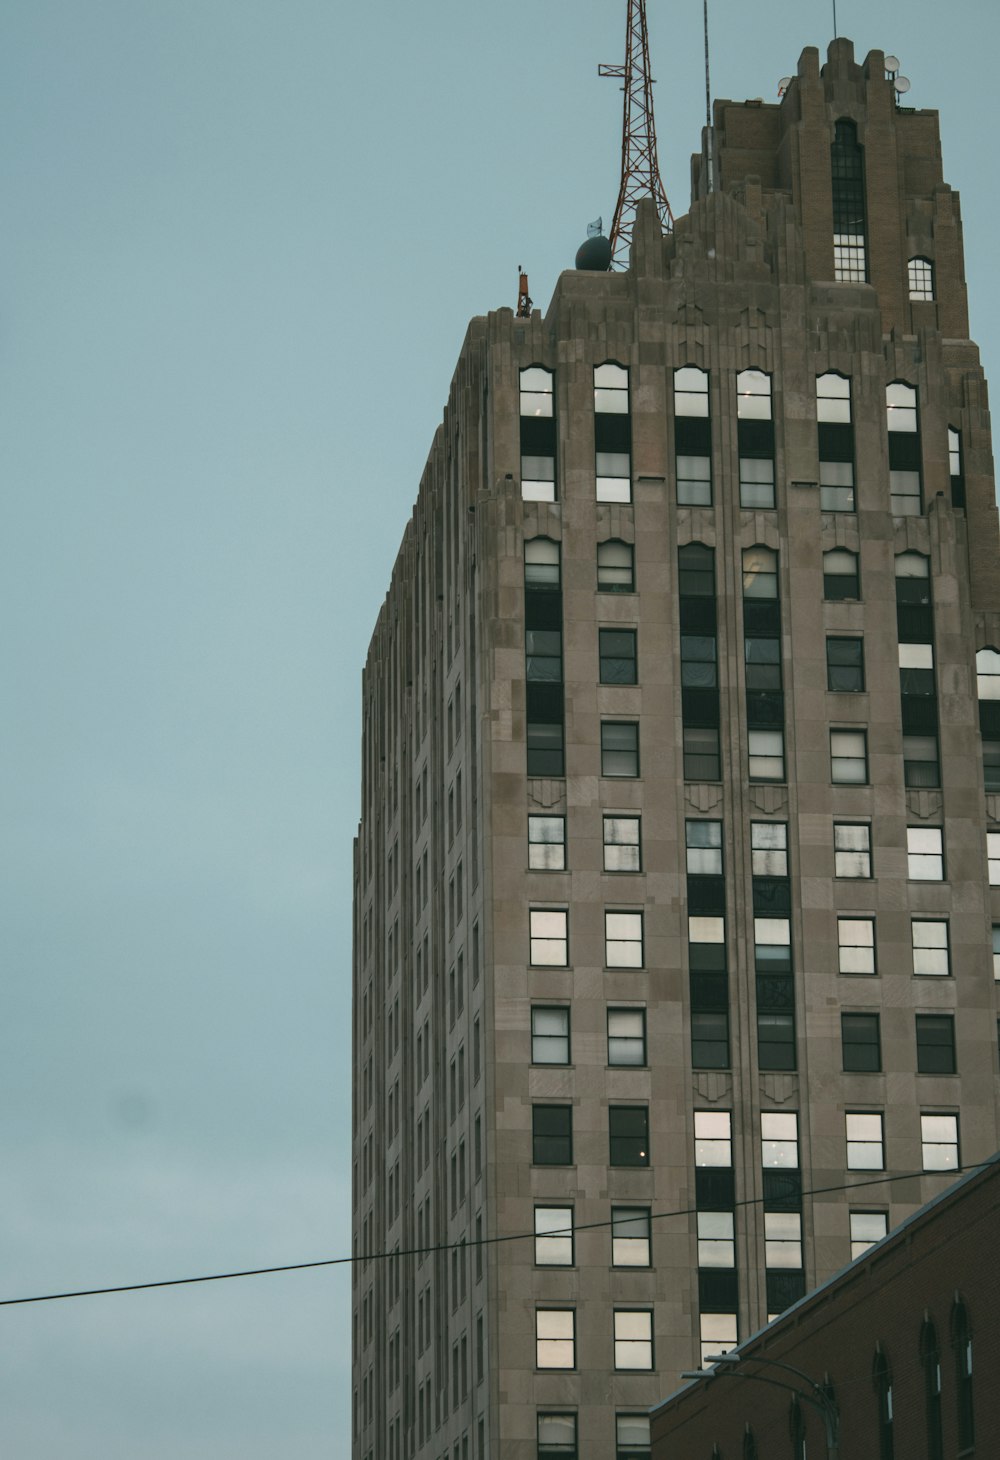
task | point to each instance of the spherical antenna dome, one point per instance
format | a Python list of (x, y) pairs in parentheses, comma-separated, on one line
[(595, 254)]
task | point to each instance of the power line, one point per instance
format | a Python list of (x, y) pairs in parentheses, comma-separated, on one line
[(476, 1242)]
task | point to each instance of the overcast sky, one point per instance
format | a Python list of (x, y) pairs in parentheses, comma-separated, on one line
[(240, 241)]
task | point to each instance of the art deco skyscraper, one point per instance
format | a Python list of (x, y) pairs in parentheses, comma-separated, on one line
[(678, 876)]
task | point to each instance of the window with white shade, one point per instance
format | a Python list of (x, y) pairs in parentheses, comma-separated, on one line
[(622, 844), (852, 854), (692, 437), (554, 1236), (633, 1338), (848, 757), (925, 853), (716, 1239), (836, 443), (865, 1142), (856, 945), (717, 1332), (713, 1144), (930, 947), (549, 937), (547, 843), (867, 1228), (612, 434), (538, 435), (631, 1239), (939, 1142), (555, 1338), (623, 939)]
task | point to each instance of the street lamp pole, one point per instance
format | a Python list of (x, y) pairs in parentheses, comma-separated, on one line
[(816, 1395)]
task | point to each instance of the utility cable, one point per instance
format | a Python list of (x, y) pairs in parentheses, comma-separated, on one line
[(476, 1242)]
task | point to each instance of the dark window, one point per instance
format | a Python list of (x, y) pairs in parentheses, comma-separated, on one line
[(859, 1034), (848, 176), (710, 1039), (702, 760), (845, 665), (930, 1359), (552, 1135), (615, 567), (545, 750), (882, 1379), (618, 656), (628, 1126), (632, 1437), (961, 1341), (935, 1044), (776, 1036), (619, 748)]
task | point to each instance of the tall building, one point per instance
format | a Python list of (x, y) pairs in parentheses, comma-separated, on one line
[(677, 882)]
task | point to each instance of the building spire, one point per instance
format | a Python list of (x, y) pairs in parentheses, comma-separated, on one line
[(640, 169)]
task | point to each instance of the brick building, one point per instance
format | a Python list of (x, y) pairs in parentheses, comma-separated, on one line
[(905, 1344), (677, 882)]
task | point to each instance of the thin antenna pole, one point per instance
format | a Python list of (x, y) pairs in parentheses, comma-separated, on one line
[(709, 139), (835, 19)]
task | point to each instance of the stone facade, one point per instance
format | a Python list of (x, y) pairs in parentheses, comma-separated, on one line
[(446, 1093)]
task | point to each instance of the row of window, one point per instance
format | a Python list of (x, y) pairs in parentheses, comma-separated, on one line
[(555, 1338), (755, 440), (861, 1041), (557, 1436), (628, 1139), (632, 1237)]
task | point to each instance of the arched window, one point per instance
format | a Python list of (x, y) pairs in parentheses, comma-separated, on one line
[(538, 434), (541, 563), (988, 674), (797, 1430), (882, 1380), (760, 573), (930, 1362), (904, 449), (612, 434), (749, 1445), (615, 566), (841, 578), (692, 437), (961, 1343), (848, 175), (920, 277)]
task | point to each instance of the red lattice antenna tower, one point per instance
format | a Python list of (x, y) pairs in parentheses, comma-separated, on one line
[(640, 169)]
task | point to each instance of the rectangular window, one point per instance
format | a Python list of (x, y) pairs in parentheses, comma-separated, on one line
[(845, 665), (694, 481), (630, 1237), (547, 843), (836, 486), (860, 1042), (782, 1239), (622, 844), (628, 1128), (756, 483), (545, 748), (554, 1236), (549, 1035), (702, 757), (555, 1338), (556, 1437), (996, 951), (925, 853), (549, 937), (627, 1037), (766, 749), (867, 1228), (865, 1146), (939, 1142), (633, 1338), (618, 656), (852, 856), (703, 845), (849, 757), (930, 948), (856, 945), (993, 857), (769, 848), (612, 434), (632, 1437), (716, 1239), (718, 1335), (713, 1144), (920, 277), (935, 1044), (552, 1135), (623, 939), (619, 748), (779, 1139)]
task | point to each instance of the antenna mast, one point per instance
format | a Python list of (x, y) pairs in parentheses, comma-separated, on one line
[(640, 169)]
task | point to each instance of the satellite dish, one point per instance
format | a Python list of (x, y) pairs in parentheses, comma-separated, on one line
[(892, 63), (784, 84), (902, 85)]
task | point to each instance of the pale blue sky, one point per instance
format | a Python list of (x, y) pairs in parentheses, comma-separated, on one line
[(240, 243)]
